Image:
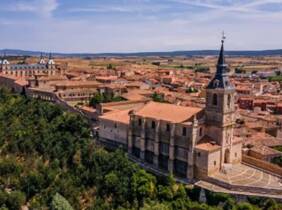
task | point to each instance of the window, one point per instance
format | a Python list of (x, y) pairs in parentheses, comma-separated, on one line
[(183, 131), (167, 127), (180, 168), (214, 163), (199, 154), (115, 125), (139, 122), (229, 101), (201, 132), (153, 125), (164, 148), (214, 99), (235, 154)]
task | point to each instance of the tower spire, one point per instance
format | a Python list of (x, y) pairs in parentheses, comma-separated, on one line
[(51, 62), (4, 60), (42, 61), (220, 79), (221, 66)]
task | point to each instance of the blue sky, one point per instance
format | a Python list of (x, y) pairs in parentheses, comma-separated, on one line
[(139, 25)]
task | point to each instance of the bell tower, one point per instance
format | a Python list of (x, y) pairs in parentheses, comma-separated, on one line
[(5, 64), (51, 62), (42, 60), (220, 108)]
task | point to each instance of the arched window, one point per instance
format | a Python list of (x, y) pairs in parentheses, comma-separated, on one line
[(214, 99), (229, 101)]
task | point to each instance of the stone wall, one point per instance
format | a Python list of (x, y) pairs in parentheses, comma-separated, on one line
[(11, 84), (113, 130), (213, 162), (243, 188), (263, 165)]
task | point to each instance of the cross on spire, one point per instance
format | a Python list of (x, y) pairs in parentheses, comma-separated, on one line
[(221, 60), (223, 37)]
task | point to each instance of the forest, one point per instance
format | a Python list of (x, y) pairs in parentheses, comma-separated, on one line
[(48, 160)]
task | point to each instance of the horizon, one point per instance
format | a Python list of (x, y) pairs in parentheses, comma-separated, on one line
[(139, 26), (45, 53)]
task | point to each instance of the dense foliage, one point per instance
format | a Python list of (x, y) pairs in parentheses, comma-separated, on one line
[(48, 161), (275, 79), (277, 161), (104, 98), (201, 68)]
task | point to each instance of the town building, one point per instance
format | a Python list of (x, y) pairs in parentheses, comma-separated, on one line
[(189, 142), (28, 70)]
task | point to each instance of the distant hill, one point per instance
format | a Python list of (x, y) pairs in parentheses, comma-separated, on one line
[(14, 52)]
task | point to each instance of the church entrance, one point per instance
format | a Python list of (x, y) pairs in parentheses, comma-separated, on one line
[(227, 156)]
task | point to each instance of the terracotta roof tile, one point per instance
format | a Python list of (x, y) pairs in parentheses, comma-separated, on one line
[(167, 112), (121, 116), (207, 144)]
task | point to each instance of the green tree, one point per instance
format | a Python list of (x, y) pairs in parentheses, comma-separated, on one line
[(112, 182), (270, 204), (32, 184), (155, 206), (9, 167), (165, 193), (277, 161), (110, 66), (60, 203), (143, 185), (158, 97), (15, 200), (3, 197), (244, 206), (96, 99)]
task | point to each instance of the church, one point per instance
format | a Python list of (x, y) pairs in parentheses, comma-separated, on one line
[(189, 142), (28, 70)]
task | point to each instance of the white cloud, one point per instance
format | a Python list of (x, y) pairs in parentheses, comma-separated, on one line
[(44, 8), (246, 6), (122, 8)]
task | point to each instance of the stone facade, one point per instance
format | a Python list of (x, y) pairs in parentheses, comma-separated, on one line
[(168, 146), (28, 70)]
